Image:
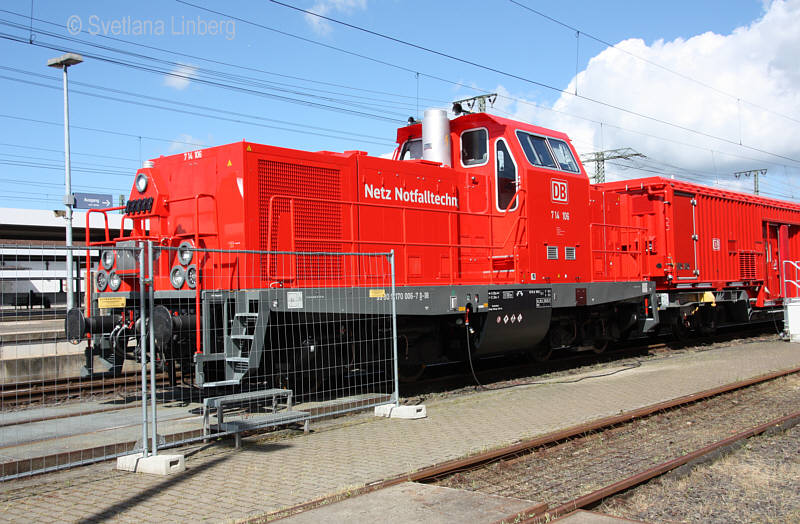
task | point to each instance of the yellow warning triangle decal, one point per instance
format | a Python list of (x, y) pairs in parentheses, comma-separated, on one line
[(229, 163), (249, 148)]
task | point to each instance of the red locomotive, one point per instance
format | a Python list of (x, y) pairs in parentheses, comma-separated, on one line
[(492, 222)]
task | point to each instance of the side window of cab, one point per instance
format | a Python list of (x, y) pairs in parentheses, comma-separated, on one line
[(474, 147), (506, 177)]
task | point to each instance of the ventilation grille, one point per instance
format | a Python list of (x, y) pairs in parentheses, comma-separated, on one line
[(569, 253), (552, 252), (315, 223), (747, 265)]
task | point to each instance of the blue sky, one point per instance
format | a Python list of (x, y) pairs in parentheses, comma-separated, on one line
[(248, 81)]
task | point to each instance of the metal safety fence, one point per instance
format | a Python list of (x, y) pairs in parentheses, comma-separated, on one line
[(61, 401), (282, 337), (167, 346)]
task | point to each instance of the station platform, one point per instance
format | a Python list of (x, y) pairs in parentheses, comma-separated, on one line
[(37, 350), (31, 330), (223, 484)]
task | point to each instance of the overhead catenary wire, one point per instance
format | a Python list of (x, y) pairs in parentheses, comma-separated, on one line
[(190, 77), (389, 64), (521, 78), (237, 66), (61, 151), (60, 162), (726, 183), (186, 104), (100, 130), (206, 81), (193, 113)]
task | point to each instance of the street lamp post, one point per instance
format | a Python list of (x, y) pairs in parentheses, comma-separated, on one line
[(63, 62)]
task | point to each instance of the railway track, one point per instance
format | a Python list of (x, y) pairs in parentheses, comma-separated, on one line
[(562, 460), (591, 499), (56, 390), (582, 470)]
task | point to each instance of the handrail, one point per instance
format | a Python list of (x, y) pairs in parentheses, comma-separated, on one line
[(198, 286), (354, 241), (784, 280), (88, 232), (105, 219), (198, 283), (513, 198), (519, 218), (637, 256), (622, 226)]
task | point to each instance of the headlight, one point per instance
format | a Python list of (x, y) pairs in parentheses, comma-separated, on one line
[(191, 276), (177, 277), (141, 182), (185, 253), (101, 280), (107, 259), (114, 281)]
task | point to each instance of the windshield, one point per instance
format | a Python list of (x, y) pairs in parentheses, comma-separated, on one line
[(412, 150)]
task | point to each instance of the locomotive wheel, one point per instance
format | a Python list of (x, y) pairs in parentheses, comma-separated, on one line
[(680, 331), (600, 346)]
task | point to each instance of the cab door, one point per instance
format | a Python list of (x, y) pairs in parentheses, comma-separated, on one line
[(508, 204), (474, 226)]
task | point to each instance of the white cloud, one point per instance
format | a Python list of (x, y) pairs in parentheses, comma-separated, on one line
[(186, 142), (180, 77), (757, 64), (330, 7)]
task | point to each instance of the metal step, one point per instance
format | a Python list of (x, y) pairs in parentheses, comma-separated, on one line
[(212, 357), (246, 315), (242, 337), (215, 402), (243, 360), (265, 420), (221, 383)]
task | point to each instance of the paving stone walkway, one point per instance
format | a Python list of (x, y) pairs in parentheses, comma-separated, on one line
[(226, 485)]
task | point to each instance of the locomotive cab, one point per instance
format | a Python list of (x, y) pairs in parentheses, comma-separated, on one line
[(528, 180)]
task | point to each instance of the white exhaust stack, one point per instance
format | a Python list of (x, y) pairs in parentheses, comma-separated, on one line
[(436, 136)]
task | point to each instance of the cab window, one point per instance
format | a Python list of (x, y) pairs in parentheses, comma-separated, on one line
[(536, 150), (506, 176), (412, 150), (474, 147), (563, 155)]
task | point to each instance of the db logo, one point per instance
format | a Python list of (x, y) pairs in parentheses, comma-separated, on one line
[(558, 191)]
